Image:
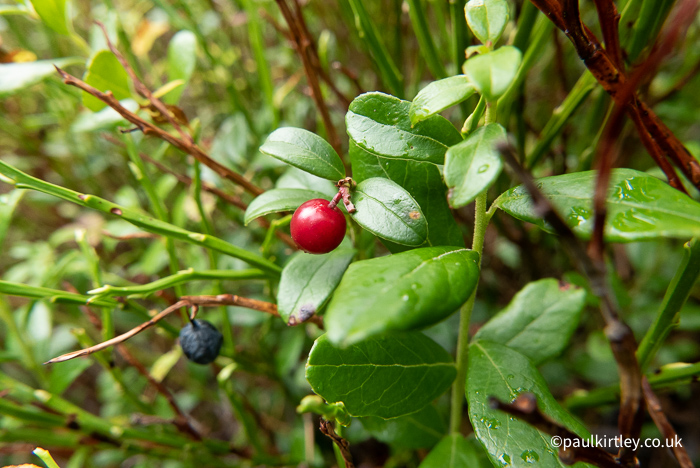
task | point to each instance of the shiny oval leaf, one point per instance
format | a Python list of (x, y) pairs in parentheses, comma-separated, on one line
[(501, 372), (487, 18), (17, 76), (454, 451), (308, 281), (388, 211), (473, 165), (105, 73), (439, 95), (53, 13), (380, 155), (380, 124), (276, 200), (405, 291), (539, 321), (422, 429), (182, 58), (305, 150), (493, 73), (387, 376), (640, 207)]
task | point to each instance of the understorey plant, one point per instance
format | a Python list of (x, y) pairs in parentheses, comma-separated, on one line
[(448, 286)]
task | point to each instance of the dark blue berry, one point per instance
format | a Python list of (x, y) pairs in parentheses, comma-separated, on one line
[(200, 341)]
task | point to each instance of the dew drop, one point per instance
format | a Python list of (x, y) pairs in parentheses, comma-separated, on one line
[(483, 169), (530, 456), (504, 459), (404, 297)]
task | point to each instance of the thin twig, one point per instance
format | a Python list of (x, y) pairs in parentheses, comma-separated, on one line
[(603, 66), (303, 44), (663, 424), (121, 338), (232, 300), (127, 237), (316, 60), (609, 20), (326, 428), (143, 90), (193, 302), (148, 128)]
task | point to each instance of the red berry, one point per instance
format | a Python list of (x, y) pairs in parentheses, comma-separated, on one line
[(316, 228)]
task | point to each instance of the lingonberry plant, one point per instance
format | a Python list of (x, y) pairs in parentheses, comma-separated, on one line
[(489, 274)]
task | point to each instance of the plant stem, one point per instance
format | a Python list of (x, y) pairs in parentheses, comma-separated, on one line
[(369, 35), (676, 295), (481, 221), (144, 290), (425, 40), (24, 181), (460, 34), (670, 376)]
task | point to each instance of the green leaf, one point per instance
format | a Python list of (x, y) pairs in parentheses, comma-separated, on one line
[(105, 73), (305, 150), (539, 321), (388, 211), (380, 124), (17, 76), (473, 165), (182, 58), (387, 376), (384, 144), (640, 207), (439, 95), (276, 200), (454, 451), (308, 281), (53, 13), (422, 429), (405, 291), (493, 73), (487, 18), (498, 371)]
